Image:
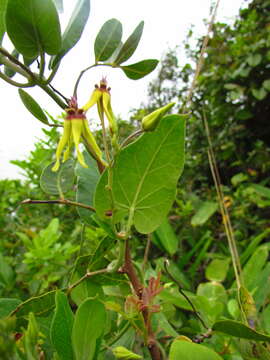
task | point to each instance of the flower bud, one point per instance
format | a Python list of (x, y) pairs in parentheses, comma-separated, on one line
[(120, 352), (151, 121)]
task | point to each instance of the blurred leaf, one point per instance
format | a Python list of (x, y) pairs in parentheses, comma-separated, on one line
[(39, 305), (88, 288), (140, 69), (238, 178), (130, 45), (186, 350), (167, 237), (7, 305), (217, 270), (61, 327), (32, 106), (89, 325), (59, 182), (259, 94), (254, 59), (108, 39), (253, 268), (6, 272), (261, 190), (213, 291), (154, 163), (172, 296), (86, 186), (240, 330), (204, 212), (3, 5), (74, 29), (266, 84), (33, 26)]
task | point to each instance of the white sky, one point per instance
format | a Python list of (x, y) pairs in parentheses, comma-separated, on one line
[(166, 24)]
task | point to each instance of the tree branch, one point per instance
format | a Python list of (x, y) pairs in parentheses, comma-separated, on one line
[(59, 201)]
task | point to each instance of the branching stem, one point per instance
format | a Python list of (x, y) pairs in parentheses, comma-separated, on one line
[(58, 201)]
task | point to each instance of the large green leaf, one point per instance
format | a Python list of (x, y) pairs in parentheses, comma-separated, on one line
[(240, 330), (3, 5), (86, 185), (167, 237), (217, 269), (261, 190), (185, 350), (108, 39), (59, 182), (145, 174), (32, 106), (89, 324), (130, 45), (33, 26), (39, 305), (61, 327), (74, 29), (7, 305), (140, 69)]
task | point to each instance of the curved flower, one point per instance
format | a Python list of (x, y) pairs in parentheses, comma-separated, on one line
[(102, 97), (76, 130)]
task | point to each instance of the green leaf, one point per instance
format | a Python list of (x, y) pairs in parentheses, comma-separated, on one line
[(266, 84), (217, 270), (186, 350), (59, 182), (259, 94), (6, 272), (238, 178), (145, 174), (237, 329), (74, 29), (167, 237), (87, 181), (7, 305), (89, 324), (254, 59), (7, 70), (204, 212), (39, 305), (130, 45), (108, 39), (3, 5), (32, 106), (61, 327), (261, 190), (33, 27), (140, 69)]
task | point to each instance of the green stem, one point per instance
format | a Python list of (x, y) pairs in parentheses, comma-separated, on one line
[(41, 65), (17, 62), (52, 74), (13, 82), (14, 67)]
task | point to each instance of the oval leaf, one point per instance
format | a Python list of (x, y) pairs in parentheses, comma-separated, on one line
[(140, 69), (237, 329), (7, 305), (58, 183), (74, 29), (32, 106), (61, 327), (217, 269), (89, 324), (167, 237), (145, 175), (108, 39), (186, 350), (130, 45), (33, 26)]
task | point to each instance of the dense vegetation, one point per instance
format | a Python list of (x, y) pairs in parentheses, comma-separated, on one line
[(43, 247)]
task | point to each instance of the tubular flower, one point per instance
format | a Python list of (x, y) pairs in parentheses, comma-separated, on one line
[(102, 97), (76, 129)]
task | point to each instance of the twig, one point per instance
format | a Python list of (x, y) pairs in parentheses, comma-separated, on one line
[(86, 276), (166, 263), (201, 59), (131, 137), (17, 62), (59, 93), (58, 201)]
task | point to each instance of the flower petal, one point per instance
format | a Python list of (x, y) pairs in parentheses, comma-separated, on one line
[(96, 95), (62, 143), (77, 127), (106, 98)]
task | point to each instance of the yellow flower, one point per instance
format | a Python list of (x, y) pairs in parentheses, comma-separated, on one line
[(102, 97), (76, 130)]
